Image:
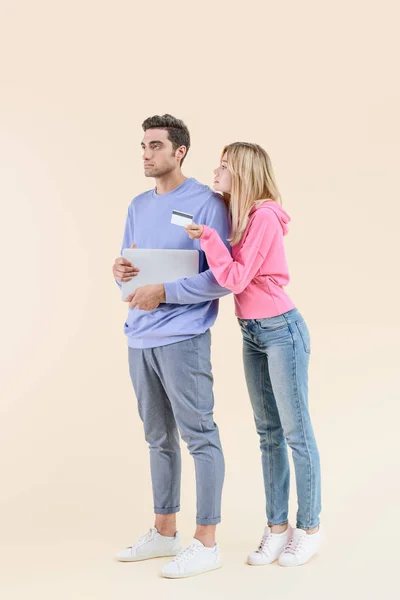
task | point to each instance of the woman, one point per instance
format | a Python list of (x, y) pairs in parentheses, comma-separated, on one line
[(276, 347)]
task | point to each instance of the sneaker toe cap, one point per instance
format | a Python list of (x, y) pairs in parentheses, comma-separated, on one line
[(171, 569), (125, 554), (256, 558), (288, 560)]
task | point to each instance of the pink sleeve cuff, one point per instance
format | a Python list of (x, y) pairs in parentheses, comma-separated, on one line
[(207, 233)]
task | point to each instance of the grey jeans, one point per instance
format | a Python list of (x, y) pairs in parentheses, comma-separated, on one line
[(174, 388)]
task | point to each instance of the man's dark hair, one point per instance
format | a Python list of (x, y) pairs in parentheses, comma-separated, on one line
[(178, 133)]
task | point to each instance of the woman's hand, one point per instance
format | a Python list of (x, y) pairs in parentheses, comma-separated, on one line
[(147, 297), (194, 231)]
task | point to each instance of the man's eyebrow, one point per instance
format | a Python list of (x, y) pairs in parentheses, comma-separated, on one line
[(152, 142)]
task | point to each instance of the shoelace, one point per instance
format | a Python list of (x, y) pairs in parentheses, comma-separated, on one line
[(294, 545), (264, 543), (186, 554), (144, 538)]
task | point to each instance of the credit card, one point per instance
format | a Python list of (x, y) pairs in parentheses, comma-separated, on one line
[(180, 218)]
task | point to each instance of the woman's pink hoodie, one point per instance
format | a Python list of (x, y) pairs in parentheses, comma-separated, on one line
[(257, 271)]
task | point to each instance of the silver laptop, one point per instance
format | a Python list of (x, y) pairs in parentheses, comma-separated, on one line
[(159, 266)]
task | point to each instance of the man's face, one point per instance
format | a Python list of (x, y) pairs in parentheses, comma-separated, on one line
[(158, 154)]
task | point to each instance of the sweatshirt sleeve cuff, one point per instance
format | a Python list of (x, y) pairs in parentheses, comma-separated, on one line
[(171, 292)]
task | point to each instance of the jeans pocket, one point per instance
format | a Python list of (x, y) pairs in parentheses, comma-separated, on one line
[(272, 323), (305, 335)]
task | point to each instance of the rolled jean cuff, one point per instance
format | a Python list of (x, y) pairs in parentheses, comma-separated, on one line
[(214, 521), (276, 524), (301, 526), (166, 511)]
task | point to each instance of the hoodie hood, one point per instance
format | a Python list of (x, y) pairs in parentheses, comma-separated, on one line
[(282, 215)]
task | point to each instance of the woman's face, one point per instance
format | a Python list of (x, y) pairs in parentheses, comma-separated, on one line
[(223, 177)]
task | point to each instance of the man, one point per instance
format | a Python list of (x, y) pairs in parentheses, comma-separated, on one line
[(168, 331)]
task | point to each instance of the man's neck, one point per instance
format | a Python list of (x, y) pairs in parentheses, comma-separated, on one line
[(169, 182)]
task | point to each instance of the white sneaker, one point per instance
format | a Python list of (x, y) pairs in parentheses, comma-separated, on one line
[(271, 546), (151, 545), (301, 548), (193, 560)]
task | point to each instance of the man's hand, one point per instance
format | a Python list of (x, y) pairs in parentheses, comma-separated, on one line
[(123, 269), (147, 297)]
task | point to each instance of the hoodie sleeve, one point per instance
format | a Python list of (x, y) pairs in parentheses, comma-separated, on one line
[(235, 275), (202, 287)]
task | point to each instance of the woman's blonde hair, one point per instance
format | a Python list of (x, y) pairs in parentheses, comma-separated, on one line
[(253, 182)]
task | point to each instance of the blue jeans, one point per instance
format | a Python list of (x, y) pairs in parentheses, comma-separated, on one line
[(276, 354)]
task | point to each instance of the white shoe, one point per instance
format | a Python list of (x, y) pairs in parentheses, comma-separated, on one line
[(271, 546), (151, 545), (193, 560), (301, 548)]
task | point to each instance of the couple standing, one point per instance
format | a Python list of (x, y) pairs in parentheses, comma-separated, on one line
[(240, 235)]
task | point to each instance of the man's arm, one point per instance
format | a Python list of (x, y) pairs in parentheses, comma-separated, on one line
[(123, 269), (202, 287)]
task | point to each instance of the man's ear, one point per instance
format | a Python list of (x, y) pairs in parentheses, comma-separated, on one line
[(180, 152)]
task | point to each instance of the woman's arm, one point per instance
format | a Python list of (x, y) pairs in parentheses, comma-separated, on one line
[(237, 274), (202, 287)]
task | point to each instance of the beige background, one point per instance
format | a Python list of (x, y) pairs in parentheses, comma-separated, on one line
[(316, 84)]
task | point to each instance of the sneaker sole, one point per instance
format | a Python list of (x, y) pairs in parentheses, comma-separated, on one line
[(300, 564), (141, 558), (261, 564), (190, 574)]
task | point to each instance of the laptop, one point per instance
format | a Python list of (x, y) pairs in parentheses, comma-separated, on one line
[(159, 266)]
